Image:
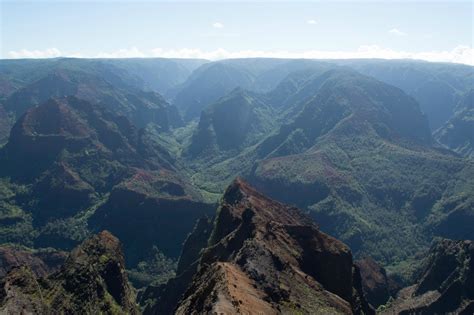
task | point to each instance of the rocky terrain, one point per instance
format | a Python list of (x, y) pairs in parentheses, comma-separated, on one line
[(446, 285), (92, 280), (256, 255), (261, 256)]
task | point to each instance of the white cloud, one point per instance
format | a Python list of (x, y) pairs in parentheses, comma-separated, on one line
[(397, 32), (132, 52), (25, 53), (217, 25), (460, 54), (312, 22)]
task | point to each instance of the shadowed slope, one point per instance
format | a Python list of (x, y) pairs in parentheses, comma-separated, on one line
[(446, 285)]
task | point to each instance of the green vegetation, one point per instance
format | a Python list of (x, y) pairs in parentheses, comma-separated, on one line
[(457, 133), (16, 223), (356, 154), (366, 171), (155, 270)]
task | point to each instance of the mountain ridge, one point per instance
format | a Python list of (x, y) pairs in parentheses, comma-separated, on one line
[(250, 247)]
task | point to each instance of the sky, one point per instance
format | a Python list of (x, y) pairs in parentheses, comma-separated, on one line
[(429, 30)]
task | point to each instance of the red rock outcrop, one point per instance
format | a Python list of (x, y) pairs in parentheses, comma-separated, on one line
[(263, 256)]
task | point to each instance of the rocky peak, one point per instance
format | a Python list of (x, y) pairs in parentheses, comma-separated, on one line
[(265, 256), (242, 202), (97, 269), (92, 280), (99, 250), (240, 196)]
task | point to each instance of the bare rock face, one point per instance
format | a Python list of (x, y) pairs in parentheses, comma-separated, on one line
[(377, 286), (196, 241), (92, 280), (445, 286), (228, 290), (263, 256)]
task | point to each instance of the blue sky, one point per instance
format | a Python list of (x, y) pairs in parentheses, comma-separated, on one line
[(427, 30)]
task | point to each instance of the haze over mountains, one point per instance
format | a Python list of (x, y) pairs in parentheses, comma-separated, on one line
[(377, 154)]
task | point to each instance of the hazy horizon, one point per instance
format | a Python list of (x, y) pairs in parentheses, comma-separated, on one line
[(439, 31)]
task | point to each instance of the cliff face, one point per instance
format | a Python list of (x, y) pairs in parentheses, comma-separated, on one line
[(150, 209), (377, 286), (446, 284), (263, 256), (92, 280)]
